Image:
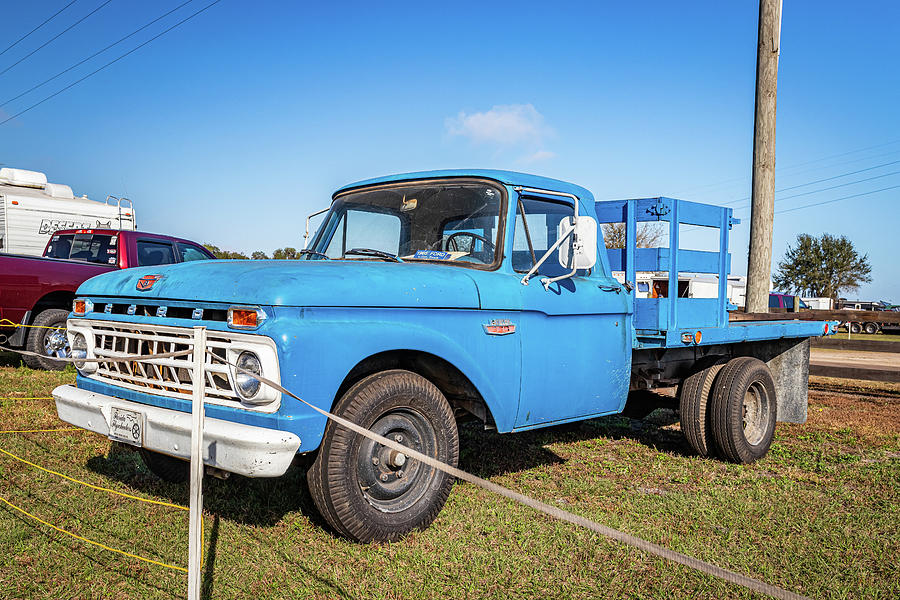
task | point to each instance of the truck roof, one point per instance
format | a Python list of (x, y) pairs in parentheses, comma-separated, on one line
[(506, 177), (128, 232)]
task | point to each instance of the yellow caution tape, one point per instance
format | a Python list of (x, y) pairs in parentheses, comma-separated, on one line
[(91, 485), (8, 323), (98, 544)]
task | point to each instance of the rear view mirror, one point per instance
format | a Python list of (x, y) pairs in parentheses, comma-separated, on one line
[(580, 250)]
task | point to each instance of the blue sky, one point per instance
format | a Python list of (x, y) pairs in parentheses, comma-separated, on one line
[(233, 127)]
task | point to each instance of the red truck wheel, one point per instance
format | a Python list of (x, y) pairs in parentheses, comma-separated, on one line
[(743, 410), (48, 338), (368, 492), (693, 400)]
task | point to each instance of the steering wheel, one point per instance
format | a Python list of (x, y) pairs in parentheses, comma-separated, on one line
[(451, 241)]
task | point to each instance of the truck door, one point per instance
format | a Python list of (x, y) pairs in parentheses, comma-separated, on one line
[(576, 335)]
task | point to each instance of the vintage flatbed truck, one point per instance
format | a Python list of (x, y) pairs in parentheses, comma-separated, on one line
[(427, 298)]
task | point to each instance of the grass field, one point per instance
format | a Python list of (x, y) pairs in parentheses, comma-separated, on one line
[(818, 516)]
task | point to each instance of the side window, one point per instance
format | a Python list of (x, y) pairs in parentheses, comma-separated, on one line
[(154, 253), (536, 227), (190, 252)]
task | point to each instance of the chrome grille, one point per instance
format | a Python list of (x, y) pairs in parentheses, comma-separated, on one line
[(172, 377)]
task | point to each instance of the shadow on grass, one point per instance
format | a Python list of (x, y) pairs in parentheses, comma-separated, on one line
[(10, 359), (256, 502), (265, 502)]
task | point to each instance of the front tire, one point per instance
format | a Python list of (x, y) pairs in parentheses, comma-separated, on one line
[(368, 492), (743, 410), (48, 338)]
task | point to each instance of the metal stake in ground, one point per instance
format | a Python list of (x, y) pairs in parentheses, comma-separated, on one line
[(195, 536)]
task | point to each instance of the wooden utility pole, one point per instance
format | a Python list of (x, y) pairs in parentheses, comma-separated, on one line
[(762, 210)]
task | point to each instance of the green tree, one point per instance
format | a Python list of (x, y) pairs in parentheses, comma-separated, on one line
[(224, 254), (822, 267), (286, 254), (259, 255)]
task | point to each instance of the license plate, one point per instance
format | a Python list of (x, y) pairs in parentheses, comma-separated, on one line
[(126, 426)]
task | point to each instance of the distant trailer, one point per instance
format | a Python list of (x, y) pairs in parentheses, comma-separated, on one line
[(819, 303), (31, 210)]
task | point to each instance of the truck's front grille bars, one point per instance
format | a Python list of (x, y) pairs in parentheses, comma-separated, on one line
[(168, 376)]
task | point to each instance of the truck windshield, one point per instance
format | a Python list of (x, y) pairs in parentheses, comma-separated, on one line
[(87, 247), (452, 222)]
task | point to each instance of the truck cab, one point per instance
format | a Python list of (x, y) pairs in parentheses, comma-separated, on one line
[(425, 298)]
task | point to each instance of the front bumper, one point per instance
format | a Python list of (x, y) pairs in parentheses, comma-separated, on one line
[(233, 447)]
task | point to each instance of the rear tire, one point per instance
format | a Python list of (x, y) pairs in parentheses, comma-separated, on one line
[(694, 398), (48, 342), (167, 468), (743, 410), (855, 328), (871, 328), (366, 491)]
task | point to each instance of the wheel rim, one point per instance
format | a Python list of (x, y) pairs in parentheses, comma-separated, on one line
[(56, 344), (390, 481), (756, 415)]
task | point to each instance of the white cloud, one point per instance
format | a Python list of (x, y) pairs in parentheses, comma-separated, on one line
[(538, 156), (502, 125)]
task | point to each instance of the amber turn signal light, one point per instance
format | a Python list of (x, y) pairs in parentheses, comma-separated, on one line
[(240, 317), (79, 307)]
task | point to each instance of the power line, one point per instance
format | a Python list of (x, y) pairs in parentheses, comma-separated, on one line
[(50, 18), (55, 36), (893, 187), (798, 165), (794, 187), (78, 64), (832, 187), (189, 17)]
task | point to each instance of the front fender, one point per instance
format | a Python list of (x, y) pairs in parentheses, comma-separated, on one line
[(318, 347)]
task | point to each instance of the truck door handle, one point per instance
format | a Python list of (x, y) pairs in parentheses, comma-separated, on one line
[(610, 288)]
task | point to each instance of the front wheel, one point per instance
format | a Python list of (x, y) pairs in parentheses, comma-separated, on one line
[(368, 492)]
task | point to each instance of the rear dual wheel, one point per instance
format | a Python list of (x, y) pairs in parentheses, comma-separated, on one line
[(729, 409), (369, 492)]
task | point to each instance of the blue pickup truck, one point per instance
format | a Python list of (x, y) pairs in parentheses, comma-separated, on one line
[(427, 298)]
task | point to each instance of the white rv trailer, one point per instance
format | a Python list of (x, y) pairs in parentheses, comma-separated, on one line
[(31, 210)]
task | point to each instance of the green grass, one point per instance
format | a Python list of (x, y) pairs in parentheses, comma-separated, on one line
[(873, 337), (818, 516)]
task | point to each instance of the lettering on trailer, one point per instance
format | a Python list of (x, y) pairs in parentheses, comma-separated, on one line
[(52, 225)]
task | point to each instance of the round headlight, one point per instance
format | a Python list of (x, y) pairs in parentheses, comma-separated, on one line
[(78, 349), (247, 385)]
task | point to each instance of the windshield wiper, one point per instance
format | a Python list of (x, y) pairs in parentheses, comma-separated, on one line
[(314, 253), (373, 252)]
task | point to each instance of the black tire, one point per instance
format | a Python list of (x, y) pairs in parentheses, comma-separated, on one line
[(743, 410), (48, 342), (358, 485), (167, 468), (855, 328), (871, 328), (693, 400)]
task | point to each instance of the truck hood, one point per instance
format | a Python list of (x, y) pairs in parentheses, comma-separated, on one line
[(296, 283)]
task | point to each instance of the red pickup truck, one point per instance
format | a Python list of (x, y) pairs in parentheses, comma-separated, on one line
[(39, 290)]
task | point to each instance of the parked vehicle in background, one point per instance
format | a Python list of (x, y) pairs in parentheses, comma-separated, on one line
[(39, 290), (867, 326), (32, 210), (424, 299), (819, 303), (787, 302)]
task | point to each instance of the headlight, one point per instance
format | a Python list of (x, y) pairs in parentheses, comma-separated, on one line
[(79, 349), (247, 385)]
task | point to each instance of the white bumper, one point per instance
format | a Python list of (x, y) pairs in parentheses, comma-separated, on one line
[(244, 449)]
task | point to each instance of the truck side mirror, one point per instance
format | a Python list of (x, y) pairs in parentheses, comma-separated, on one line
[(580, 250)]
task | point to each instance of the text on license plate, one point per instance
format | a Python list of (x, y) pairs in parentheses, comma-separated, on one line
[(126, 426)]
